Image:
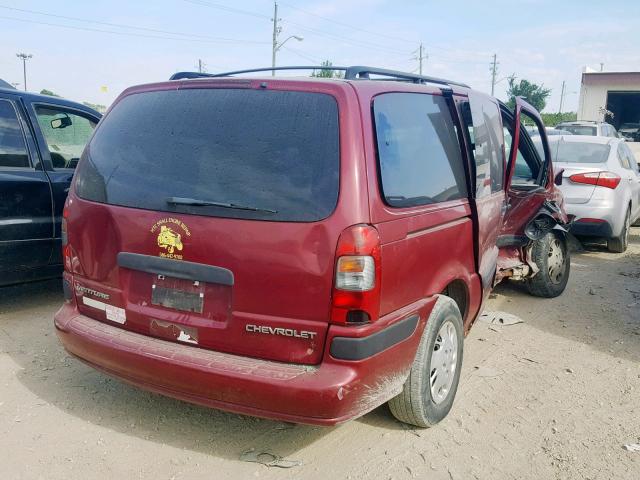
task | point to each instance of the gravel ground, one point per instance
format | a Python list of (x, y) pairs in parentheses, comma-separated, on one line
[(555, 397)]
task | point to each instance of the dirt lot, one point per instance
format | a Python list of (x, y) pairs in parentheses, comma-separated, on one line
[(554, 397)]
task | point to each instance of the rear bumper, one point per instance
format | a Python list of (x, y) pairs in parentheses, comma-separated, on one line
[(332, 392), (606, 219), (592, 229)]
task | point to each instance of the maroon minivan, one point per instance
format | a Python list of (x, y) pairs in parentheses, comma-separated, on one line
[(303, 249)]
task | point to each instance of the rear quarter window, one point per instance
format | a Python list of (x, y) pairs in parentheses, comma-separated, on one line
[(419, 156), (272, 154)]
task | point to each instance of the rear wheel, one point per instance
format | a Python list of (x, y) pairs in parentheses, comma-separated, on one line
[(551, 255), (431, 387), (620, 243)]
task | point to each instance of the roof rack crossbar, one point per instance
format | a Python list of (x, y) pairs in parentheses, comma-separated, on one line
[(361, 72), (351, 73), (187, 75)]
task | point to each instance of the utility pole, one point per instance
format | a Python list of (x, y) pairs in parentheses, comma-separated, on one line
[(199, 65), (421, 56), (561, 97), (276, 31), (601, 67), (494, 72), (24, 57)]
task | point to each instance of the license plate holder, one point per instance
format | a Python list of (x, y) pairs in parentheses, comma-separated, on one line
[(178, 294)]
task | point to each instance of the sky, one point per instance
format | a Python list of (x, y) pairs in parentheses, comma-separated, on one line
[(81, 47)]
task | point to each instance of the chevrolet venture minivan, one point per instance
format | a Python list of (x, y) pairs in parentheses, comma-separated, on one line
[(303, 249)]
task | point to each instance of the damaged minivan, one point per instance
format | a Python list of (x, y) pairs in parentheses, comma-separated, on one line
[(303, 249)]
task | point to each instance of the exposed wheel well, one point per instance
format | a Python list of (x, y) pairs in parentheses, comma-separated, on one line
[(458, 292)]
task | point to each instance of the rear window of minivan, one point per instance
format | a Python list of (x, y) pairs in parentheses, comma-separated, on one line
[(239, 153)]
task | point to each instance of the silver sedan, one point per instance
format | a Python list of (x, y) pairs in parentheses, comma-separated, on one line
[(600, 184)]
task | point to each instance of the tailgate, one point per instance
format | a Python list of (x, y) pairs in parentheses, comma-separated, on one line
[(264, 293), (210, 216)]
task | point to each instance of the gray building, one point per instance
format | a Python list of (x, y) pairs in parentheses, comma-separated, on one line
[(610, 96)]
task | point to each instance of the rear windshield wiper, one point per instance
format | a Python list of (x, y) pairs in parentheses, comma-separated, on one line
[(208, 203)]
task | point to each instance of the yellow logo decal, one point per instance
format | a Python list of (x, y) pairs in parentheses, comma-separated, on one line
[(169, 239)]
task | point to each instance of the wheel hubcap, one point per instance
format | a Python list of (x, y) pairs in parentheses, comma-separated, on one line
[(556, 261), (444, 361)]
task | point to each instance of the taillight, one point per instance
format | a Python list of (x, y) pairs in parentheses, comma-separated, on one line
[(356, 288), (599, 179)]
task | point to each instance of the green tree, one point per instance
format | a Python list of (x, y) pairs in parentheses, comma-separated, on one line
[(327, 72), (96, 106), (536, 95), (552, 119), (44, 91)]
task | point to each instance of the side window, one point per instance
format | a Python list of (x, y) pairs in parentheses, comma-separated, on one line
[(418, 150), (633, 161), (530, 156), (66, 134), (609, 131), (487, 143), (523, 174), (624, 157), (13, 149)]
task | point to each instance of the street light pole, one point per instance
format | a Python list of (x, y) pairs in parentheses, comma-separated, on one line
[(24, 57), (275, 46)]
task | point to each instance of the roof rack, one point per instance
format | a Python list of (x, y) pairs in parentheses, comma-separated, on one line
[(361, 72), (351, 73)]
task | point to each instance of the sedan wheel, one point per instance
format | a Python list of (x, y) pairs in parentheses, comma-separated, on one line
[(620, 243)]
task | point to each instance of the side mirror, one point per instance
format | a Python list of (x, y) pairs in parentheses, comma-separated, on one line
[(558, 177), (63, 122)]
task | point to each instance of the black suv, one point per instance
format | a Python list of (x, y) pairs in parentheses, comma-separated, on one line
[(41, 139)]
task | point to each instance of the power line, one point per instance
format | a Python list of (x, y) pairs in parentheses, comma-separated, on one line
[(352, 27), (357, 43), (360, 29), (225, 8), (131, 27), (315, 31), (130, 34), (452, 59), (300, 54)]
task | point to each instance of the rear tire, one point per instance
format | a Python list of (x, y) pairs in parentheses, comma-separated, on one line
[(620, 243), (428, 393), (551, 255)]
